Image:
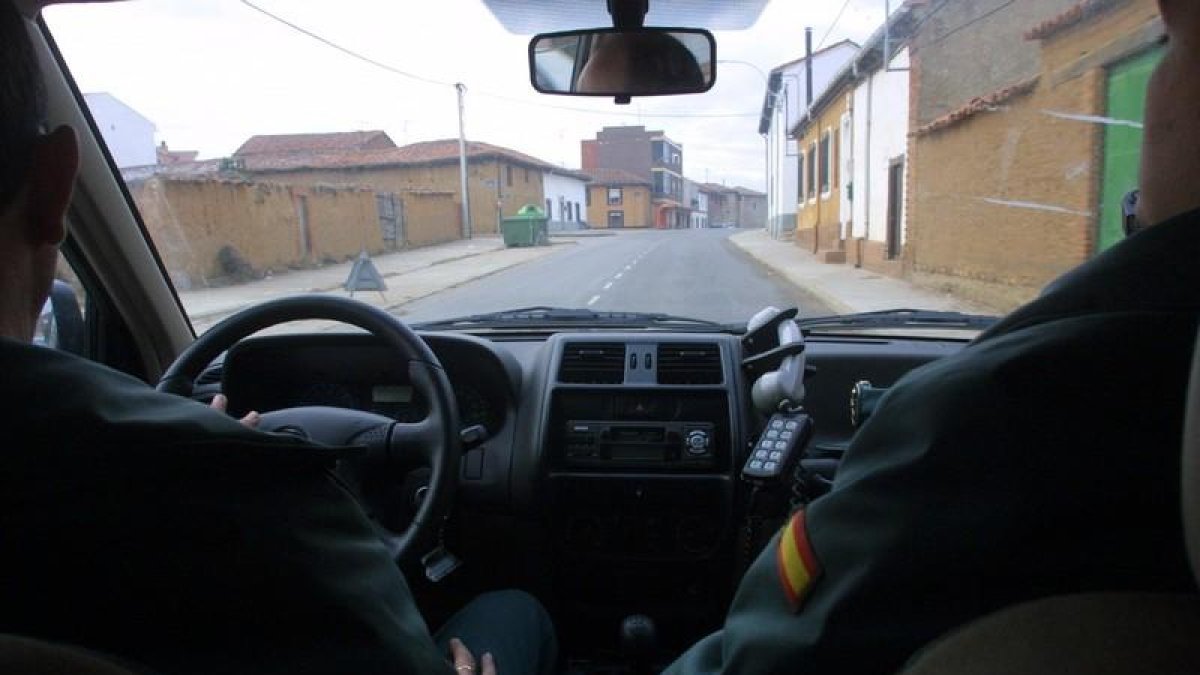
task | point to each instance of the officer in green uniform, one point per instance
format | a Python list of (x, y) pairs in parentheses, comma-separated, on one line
[(1042, 459), (154, 528)]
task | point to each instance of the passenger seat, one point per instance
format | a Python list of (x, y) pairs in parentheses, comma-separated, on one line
[(1092, 633)]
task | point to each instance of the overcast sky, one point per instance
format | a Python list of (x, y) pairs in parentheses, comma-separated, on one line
[(211, 74)]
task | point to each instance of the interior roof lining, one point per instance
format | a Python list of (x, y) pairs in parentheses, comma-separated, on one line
[(525, 17)]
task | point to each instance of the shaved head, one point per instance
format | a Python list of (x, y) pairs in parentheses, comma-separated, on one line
[(22, 102), (1170, 174)]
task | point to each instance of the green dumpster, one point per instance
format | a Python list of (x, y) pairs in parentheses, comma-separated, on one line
[(526, 228)]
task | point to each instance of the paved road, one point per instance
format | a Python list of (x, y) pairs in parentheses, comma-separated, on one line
[(694, 273)]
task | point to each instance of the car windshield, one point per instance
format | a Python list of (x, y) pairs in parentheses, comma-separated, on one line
[(853, 157)]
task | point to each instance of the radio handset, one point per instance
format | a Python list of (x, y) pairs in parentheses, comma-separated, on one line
[(779, 447), (780, 393)]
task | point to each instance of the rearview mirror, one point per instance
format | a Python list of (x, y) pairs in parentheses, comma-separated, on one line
[(623, 63)]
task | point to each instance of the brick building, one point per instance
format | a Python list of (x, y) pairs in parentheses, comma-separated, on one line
[(499, 180), (735, 206), (619, 199), (303, 200), (650, 156), (1019, 155)]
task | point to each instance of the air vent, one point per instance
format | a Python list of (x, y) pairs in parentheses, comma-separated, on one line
[(593, 363), (689, 363)]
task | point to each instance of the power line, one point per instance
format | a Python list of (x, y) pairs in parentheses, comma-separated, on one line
[(348, 52), (500, 97), (967, 24), (836, 19)]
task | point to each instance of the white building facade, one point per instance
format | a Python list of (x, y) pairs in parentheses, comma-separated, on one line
[(783, 105), (700, 214), (128, 134), (696, 201), (879, 161), (565, 197)]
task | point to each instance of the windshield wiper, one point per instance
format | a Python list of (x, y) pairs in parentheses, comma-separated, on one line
[(541, 316), (892, 318)]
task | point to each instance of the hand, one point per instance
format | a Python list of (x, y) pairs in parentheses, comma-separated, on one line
[(464, 662), (220, 402)]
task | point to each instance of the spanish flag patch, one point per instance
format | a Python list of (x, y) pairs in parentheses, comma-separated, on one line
[(798, 566)]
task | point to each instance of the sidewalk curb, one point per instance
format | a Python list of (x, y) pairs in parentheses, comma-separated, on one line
[(808, 285), (222, 313), (200, 316)]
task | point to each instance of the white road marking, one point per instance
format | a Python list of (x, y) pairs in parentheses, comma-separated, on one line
[(608, 285), (618, 275), (593, 300), (628, 267)]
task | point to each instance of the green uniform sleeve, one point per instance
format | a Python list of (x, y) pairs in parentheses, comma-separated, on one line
[(230, 567), (152, 528), (979, 482)]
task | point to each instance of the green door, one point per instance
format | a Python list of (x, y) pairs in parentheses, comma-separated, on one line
[(1127, 82)]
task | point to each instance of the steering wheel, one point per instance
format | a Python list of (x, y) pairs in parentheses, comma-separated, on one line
[(393, 447)]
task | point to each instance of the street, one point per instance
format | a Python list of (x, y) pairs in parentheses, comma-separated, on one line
[(695, 273)]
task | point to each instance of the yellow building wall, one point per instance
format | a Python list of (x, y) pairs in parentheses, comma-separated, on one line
[(1006, 201), (818, 220), (191, 221), (490, 197), (635, 203)]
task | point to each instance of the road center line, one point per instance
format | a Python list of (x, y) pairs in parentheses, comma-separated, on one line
[(608, 285), (618, 275), (593, 300)]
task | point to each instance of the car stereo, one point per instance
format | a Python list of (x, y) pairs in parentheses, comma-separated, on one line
[(632, 445)]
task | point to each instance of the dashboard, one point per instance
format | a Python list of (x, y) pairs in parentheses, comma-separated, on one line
[(560, 406), (620, 451), (357, 372)]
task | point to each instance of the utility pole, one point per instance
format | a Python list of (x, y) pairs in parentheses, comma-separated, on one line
[(808, 68), (462, 164)]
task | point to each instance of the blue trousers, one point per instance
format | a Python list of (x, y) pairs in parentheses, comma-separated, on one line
[(510, 624)]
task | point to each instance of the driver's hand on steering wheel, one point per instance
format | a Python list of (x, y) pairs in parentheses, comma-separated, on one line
[(464, 662), (220, 402)]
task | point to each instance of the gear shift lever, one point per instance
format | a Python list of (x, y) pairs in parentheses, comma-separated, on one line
[(639, 641)]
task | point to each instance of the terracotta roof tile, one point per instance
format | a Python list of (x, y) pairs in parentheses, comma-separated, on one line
[(329, 142), (978, 105), (429, 152), (1073, 15), (617, 177)]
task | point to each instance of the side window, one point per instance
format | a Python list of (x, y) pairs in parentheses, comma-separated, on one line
[(62, 323), (800, 178), (812, 171), (825, 164)]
